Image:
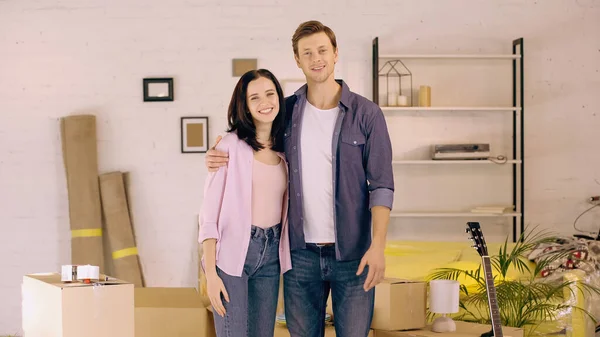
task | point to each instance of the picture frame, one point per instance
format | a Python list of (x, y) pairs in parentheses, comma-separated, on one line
[(158, 89), (240, 66), (194, 134)]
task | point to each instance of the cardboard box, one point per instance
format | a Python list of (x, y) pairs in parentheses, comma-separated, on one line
[(163, 312), (282, 331), (400, 305), (463, 329), (52, 308)]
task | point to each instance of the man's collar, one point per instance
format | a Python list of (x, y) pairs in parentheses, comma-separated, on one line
[(344, 98)]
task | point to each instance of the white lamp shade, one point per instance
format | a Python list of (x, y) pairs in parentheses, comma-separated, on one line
[(443, 296)]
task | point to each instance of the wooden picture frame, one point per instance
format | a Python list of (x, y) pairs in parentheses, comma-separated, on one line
[(194, 134)]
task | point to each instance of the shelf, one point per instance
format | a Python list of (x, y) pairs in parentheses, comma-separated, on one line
[(453, 162), (451, 214), (441, 108), (514, 58), (450, 56)]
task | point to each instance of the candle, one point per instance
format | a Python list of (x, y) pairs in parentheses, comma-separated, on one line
[(402, 100), (425, 95)]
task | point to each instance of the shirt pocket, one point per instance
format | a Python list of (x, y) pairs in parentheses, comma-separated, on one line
[(352, 147)]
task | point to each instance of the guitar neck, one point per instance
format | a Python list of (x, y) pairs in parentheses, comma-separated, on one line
[(492, 299)]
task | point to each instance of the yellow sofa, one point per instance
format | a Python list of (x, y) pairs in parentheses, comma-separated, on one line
[(416, 260)]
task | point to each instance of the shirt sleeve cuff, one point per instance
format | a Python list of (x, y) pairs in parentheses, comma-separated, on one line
[(381, 197), (208, 230)]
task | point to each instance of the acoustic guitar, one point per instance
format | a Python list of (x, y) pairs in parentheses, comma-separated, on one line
[(476, 235)]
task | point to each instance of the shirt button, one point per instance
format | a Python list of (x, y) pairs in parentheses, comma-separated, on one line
[(294, 125), (336, 133), (295, 170), (294, 147), (285, 134), (297, 194), (354, 142)]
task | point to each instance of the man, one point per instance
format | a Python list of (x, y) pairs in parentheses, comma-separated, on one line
[(341, 180)]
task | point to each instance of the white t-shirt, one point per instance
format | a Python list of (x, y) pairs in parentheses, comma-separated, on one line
[(317, 173)]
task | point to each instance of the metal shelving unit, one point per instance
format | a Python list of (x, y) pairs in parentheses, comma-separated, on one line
[(517, 110)]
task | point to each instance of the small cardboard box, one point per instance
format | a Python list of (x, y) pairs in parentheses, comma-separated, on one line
[(52, 308), (463, 329), (163, 312), (399, 305)]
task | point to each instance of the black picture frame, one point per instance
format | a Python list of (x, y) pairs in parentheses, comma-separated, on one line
[(198, 125), (148, 92)]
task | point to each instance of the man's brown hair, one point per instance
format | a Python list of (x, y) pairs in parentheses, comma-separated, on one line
[(309, 28)]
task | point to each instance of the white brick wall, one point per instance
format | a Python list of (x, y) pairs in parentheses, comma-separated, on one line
[(66, 57)]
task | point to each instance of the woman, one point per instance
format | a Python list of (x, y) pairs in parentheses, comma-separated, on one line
[(243, 223)]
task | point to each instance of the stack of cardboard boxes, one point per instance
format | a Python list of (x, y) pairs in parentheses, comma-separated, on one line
[(113, 307)]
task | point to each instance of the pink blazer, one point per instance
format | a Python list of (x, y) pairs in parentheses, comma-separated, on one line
[(226, 212)]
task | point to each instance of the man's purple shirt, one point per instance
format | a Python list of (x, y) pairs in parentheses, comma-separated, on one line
[(362, 170)]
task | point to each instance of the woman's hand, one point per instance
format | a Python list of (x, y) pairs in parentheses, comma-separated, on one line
[(214, 288)]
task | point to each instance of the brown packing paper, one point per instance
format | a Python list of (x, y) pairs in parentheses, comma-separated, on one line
[(78, 136), (125, 260), (127, 184)]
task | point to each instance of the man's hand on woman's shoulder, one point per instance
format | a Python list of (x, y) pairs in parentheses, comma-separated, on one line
[(214, 158)]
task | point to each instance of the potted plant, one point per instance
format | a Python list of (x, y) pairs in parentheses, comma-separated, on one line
[(528, 301)]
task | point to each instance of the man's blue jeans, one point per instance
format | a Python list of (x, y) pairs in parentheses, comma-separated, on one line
[(314, 273)]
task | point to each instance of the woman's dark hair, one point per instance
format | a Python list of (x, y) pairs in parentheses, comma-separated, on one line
[(241, 121)]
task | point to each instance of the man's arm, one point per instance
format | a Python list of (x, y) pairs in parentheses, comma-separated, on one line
[(214, 189), (380, 175), (215, 158), (381, 219)]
